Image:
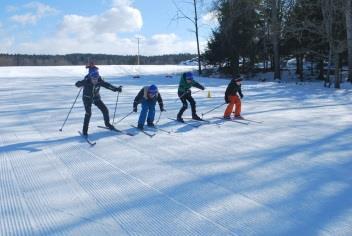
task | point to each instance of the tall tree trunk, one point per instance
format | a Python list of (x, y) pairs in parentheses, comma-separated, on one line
[(299, 65), (236, 64), (321, 69), (197, 36), (337, 71), (349, 36), (276, 38), (326, 7), (327, 82)]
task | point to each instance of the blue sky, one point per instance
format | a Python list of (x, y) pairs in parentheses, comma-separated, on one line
[(99, 26)]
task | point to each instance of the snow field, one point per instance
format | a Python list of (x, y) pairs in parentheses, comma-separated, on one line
[(287, 176)]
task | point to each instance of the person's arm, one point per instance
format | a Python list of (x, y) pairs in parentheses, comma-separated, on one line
[(81, 82), (138, 99), (160, 101), (240, 91), (109, 86), (227, 93), (197, 85)]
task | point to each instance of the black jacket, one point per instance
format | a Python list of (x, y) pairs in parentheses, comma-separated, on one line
[(233, 89), (144, 94), (91, 91)]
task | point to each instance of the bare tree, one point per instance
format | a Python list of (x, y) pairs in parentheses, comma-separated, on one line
[(194, 20)]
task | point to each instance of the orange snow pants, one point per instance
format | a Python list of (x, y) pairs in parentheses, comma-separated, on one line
[(234, 100)]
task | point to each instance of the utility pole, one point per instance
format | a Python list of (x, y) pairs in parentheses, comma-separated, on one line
[(138, 38)]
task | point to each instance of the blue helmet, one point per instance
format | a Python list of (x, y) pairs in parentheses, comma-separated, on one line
[(92, 69), (94, 73), (189, 75), (153, 89)]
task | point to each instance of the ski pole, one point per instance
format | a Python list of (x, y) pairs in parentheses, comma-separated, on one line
[(124, 117), (117, 99), (186, 93), (213, 109), (158, 118), (70, 110)]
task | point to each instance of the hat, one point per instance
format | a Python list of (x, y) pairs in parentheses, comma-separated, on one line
[(238, 79), (153, 89), (189, 75)]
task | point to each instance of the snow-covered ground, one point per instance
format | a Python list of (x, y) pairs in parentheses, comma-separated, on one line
[(290, 175)]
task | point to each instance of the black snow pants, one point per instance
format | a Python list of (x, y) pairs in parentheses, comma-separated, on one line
[(184, 99), (88, 107)]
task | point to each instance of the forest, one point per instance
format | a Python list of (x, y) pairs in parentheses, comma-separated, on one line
[(271, 32)]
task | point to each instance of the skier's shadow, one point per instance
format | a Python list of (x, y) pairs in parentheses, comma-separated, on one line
[(184, 126), (35, 146)]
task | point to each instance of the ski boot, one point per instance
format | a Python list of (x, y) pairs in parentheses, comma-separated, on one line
[(179, 119), (196, 117), (140, 127)]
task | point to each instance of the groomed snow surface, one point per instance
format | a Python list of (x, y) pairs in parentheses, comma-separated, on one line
[(290, 175)]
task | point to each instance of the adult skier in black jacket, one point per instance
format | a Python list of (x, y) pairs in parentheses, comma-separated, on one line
[(91, 86)]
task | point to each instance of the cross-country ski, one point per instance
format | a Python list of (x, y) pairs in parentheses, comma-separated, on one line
[(85, 137), (150, 135), (116, 130), (192, 124)]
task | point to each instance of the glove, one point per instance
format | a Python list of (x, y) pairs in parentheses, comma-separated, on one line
[(162, 109), (188, 91), (78, 84), (203, 88), (134, 109), (227, 99), (241, 95), (118, 89)]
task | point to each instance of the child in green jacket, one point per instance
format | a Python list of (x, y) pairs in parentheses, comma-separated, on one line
[(185, 94)]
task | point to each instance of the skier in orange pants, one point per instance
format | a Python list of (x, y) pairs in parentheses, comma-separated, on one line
[(232, 97)]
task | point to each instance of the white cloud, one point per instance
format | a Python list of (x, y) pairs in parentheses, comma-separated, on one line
[(11, 8), (100, 34), (119, 18), (25, 19), (36, 12), (6, 44), (167, 44), (123, 3), (210, 18), (109, 43)]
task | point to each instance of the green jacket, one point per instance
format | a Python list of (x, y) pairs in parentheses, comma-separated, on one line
[(184, 86)]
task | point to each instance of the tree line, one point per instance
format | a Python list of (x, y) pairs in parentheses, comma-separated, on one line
[(83, 59), (270, 31)]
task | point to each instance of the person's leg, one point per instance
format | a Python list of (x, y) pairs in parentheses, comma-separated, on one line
[(143, 114), (183, 108), (193, 107), (151, 113), (229, 107), (238, 106), (99, 103), (88, 107)]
